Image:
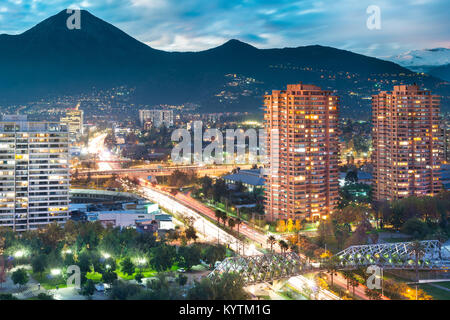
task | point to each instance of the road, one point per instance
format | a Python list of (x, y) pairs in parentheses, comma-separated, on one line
[(187, 206), (210, 230), (359, 290), (300, 282), (97, 147), (246, 230)]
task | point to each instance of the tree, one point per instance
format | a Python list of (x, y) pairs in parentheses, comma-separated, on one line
[(227, 287), (88, 288), (238, 222), (51, 236), (84, 261), (372, 294), (4, 266), (218, 215), (109, 277), (7, 296), (271, 240), (44, 296), (20, 277), (418, 250), (190, 233), (416, 228), (331, 265), (354, 283), (283, 246), (231, 223), (281, 226), (138, 277), (298, 225), (351, 176), (206, 185), (188, 256), (182, 280), (219, 189), (214, 253), (224, 218), (163, 257), (123, 290), (39, 263), (290, 225), (127, 266)]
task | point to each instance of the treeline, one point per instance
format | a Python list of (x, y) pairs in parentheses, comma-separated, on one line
[(420, 217), (107, 252)]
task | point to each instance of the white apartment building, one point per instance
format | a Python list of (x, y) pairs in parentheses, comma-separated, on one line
[(158, 118), (74, 121), (34, 173)]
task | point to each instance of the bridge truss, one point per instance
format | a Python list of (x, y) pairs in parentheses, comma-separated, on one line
[(262, 268), (275, 266), (401, 255)]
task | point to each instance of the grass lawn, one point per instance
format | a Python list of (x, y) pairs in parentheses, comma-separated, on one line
[(146, 273), (51, 283)]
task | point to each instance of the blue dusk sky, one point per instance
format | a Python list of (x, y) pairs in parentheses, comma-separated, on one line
[(193, 25)]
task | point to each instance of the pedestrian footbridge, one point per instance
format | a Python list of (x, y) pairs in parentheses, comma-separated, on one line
[(431, 256)]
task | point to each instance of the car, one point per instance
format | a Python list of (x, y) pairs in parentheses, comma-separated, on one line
[(181, 270)]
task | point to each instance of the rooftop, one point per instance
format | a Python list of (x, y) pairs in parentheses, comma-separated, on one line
[(250, 177)]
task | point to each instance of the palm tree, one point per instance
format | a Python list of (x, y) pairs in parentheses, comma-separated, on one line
[(354, 283), (218, 215), (283, 246), (331, 265), (231, 223), (347, 276), (224, 218), (418, 250), (271, 240), (238, 222)]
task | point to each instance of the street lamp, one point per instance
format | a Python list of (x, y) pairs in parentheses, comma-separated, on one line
[(19, 254), (55, 272), (106, 255)]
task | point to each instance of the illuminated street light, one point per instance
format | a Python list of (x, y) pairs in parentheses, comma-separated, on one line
[(55, 272), (19, 254), (106, 255)]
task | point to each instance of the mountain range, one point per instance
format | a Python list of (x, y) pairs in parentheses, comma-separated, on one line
[(435, 62), (49, 60)]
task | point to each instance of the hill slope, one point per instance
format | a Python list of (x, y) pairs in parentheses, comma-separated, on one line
[(50, 59)]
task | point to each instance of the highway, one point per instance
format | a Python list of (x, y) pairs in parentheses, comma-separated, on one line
[(210, 230), (182, 204)]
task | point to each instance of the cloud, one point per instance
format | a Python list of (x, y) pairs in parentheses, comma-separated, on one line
[(201, 24)]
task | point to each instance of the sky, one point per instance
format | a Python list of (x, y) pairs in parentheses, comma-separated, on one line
[(194, 25)]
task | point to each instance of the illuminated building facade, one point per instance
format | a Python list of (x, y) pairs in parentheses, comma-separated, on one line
[(34, 173), (407, 143), (74, 122), (158, 118), (304, 121)]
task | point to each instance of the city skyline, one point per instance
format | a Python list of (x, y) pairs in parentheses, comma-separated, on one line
[(233, 172)]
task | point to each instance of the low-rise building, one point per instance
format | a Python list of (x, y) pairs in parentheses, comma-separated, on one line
[(251, 179)]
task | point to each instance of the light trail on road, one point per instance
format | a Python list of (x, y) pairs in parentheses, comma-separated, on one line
[(201, 224)]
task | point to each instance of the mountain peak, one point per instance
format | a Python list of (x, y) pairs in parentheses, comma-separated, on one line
[(424, 57), (237, 44)]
